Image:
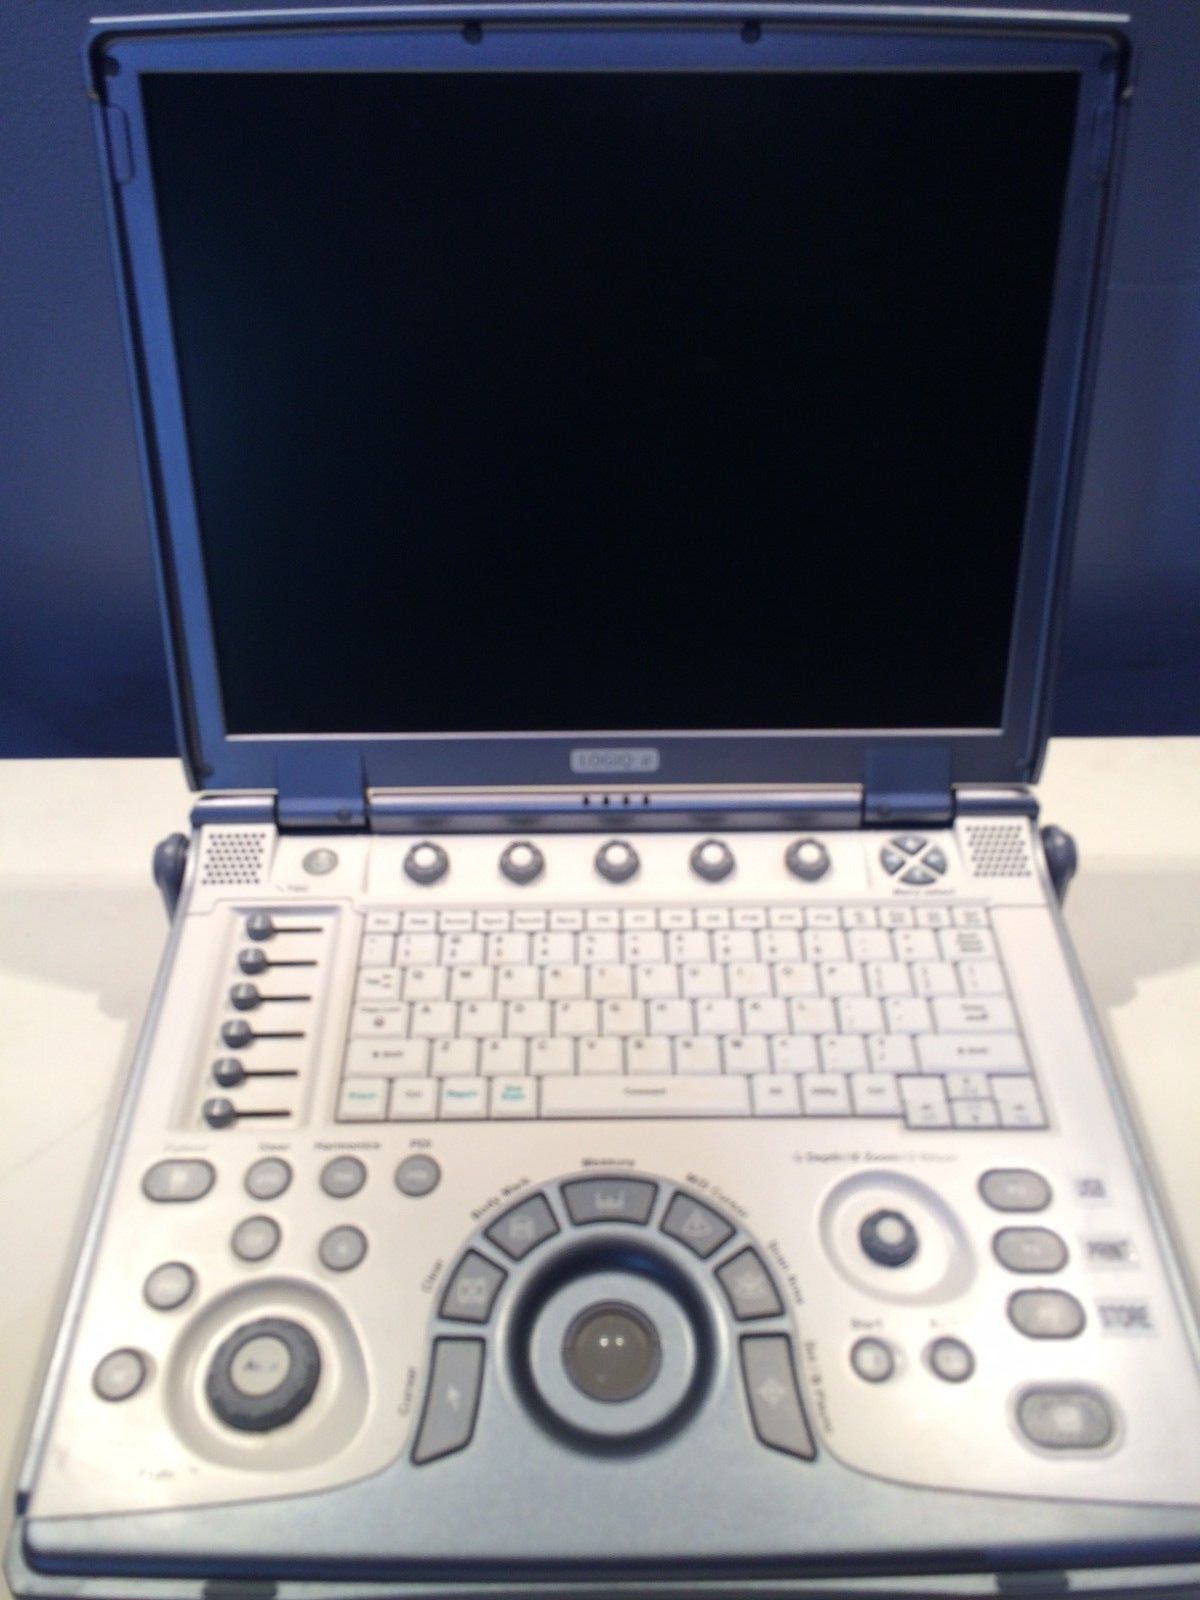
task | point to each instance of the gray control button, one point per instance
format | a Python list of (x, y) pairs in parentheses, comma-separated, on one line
[(259, 926), (178, 1180), (1014, 1189), (872, 1359), (263, 1375), (418, 1175), (934, 860), (1065, 1418), (807, 859), (255, 1238), (452, 1399), (267, 1179), (696, 1225), (1046, 1314), (917, 875), (910, 843), (343, 1176), (342, 1248), (748, 1285), (319, 863), (773, 1395), (612, 1352), (892, 859), (616, 861), (1030, 1250), (609, 1199), (712, 860), (169, 1286), (426, 862), (471, 1292), (120, 1375), (252, 961), (522, 862), (518, 1231), (237, 1033), (245, 997), (951, 1360), (228, 1072), (888, 1238), (219, 1112)]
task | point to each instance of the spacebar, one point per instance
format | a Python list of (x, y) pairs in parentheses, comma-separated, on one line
[(645, 1097)]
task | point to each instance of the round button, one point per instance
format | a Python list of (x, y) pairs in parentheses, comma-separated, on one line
[(228, 1072), (255, 1238), (342, 1248), (169, 1286), (950, 1359), (252, 961), (807, 859), (267, 1179), (219, 1112), (244, 997), (712, 860), (522, 862), (616, 861), (259, 926), (418, 1175), (120, 1375), (612, 1352), (318, 863), (426, 862), (237, 1033), (872, 1359), (888, 1238), (343, 1176), (263, 1375)]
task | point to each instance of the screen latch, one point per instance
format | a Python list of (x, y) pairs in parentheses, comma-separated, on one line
[(908, 782)]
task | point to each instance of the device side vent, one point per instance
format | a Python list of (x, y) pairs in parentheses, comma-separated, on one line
[(233, 857), (998, 850)]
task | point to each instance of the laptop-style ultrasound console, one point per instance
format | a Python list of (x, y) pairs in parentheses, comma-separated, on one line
[(619, 1112)]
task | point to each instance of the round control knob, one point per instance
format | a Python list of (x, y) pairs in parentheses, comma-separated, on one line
[(259, 926), (426, 862), (244, 997), (807, 859), (263, 1375), (522, 862), (712, 860), (219, 1112), (617, 861), (888, 1238), (237, 1033), (252, 962), (228, 1072)]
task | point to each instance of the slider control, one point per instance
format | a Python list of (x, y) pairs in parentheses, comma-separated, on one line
[(222, 1113)]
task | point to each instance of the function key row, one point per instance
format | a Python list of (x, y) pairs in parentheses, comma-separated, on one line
[(666, 918)]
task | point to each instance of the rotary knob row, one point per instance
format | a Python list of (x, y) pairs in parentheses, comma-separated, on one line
[(617, 861)]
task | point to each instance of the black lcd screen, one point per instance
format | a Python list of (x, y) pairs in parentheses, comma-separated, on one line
[(607, 401)]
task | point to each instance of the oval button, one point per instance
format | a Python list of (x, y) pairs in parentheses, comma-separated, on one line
[(1030, 1250), (1065, 1418), (1046, 1314), (178, 1180)]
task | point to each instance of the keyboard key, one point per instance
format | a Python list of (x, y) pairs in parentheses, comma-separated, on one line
[(656, 981), (970, 917), (382, 922), (673, 918), (493, 921), (594, 947), (842, 977), (749, 917), (824, 1095), (1018, 1103), (464, 949), (412, 1100), (419, 921), (966, 944), (426, 983), (931, 978), (379, 1019), (610, 981), (778, 944), (697, 1055), (602, 919), (745, 1055), (525, 1019), (981, 977), (891, 1052), (564, 921), (874, 1095), (859, 1015), (622, 1017), (842, 1052), (363, 1100), (646, 1096), (860, 917), (968, 1086), (764, 1016), (932, 917), (376, 950), (647, 1055), (456, 921), (775, 1097), (599, 1055), (433, 1019), (564, 983), (472, 983), (639, 947), (824, 944), (381, 983), (718, 1016), (823, 917), (671, 1017), (692, 945), (974, 1016), (785, 917), (638, 917), (896, 917), (907, 1016), (812, 1016), (749, 977), (453, 1058), (712, 917), (703, 982), (507, 950), (370, 1057), (973, 1113), (518, 983), (736, 944), (463, 1098), (924, 1102), (514, 1098), (796, 978), (916, 944), (575, 1017), (417, 949), (886, 978), (794, 1052), (480, 1019), (552, 949), (529, 921), (870, 944), (971, 1052), (551, 1055), (502, 1057)]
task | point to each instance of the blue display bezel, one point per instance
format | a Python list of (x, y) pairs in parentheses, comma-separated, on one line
[(617, 38)]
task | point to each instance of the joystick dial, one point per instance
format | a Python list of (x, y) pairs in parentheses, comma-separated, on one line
[(888, 1238), (426, 862), (263, 1375), (712, 860), (522, 862), (807, 859), (616, 861)]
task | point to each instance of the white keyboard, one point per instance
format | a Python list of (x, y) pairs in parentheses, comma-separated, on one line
[(676, 1011)]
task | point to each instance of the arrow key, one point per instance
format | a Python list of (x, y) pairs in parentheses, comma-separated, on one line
[(773, 1395), (452, 1400)]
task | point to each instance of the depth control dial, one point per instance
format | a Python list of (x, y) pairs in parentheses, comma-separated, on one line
[(617, 861), (426, 863)]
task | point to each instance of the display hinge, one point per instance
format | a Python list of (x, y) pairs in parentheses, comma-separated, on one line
[(907, 784), (320, 790)]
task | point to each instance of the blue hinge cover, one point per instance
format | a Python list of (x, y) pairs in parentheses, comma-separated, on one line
[(908, 782), (320, 788)]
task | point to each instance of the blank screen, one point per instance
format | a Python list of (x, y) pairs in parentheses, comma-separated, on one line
[(608, 401)]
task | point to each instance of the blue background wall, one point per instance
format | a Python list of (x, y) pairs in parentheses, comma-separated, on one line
[(81, 661)]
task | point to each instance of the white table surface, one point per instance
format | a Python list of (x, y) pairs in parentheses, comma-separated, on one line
[(82, 927)]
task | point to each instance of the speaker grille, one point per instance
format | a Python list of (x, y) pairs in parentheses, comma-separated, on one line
[(998, 850), (233, 858)]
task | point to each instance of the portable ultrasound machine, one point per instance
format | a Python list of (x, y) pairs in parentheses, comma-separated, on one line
[(676, 1155)]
